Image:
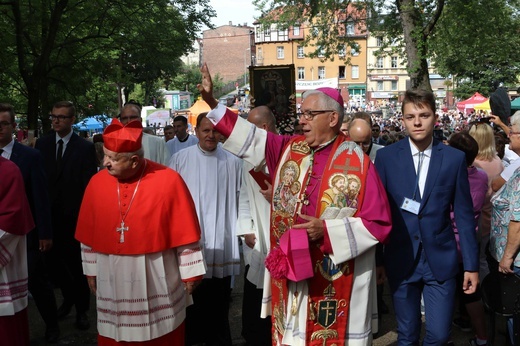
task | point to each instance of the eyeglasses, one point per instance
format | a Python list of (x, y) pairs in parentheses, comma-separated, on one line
[(363, 145), (4, 123), (375, 130), (511, 133), (60, 117), (130, 118), (309, 115)]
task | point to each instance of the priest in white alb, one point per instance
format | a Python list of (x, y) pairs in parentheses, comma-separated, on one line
[(213, 178), (139, 236)]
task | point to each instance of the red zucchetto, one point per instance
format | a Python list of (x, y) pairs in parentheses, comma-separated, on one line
[(121, 138)]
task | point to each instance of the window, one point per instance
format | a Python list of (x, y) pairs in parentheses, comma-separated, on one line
[(341, 72), (355, 71), (296, 30), (283, 35), (380, 85), (301, 73), (379, 41), (394, 62), (280, 52), (379, 62), (321, 72), (350, 28), (257, 29), (342, 51), (354, 52), (321, 52), (394, 85), (300, 53), (267, 30)]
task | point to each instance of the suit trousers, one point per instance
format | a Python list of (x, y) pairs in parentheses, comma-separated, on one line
[(207, 320), (439, 300), (255, 330), (41, 288), (66, 269)]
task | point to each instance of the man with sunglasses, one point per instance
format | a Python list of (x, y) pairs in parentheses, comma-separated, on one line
[(70, 162), (332, 300), (376, 132)]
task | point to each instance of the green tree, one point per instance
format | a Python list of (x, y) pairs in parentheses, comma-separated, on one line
[(189, 76), (476, 42), (81, 50), (406, 23)]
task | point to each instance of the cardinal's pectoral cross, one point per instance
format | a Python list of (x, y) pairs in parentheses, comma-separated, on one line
[(122, 231)]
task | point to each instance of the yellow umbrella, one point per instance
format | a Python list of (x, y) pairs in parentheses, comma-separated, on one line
[(483, 106)]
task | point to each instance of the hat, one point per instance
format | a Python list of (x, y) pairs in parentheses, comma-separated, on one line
[(332, 93), (292, 258), (123, 138)]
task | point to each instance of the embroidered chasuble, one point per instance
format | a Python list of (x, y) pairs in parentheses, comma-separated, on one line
[(140, 290), (339, 184)]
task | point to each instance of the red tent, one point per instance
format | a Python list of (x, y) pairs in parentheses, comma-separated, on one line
[(466, 105)]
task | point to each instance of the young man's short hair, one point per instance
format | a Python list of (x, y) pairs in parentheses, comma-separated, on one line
[(420, 98)]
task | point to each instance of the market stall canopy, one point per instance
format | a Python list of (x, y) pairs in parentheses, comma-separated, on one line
[(198, 107), (93, 123), (515, 104), (470, 103), (484, 106)]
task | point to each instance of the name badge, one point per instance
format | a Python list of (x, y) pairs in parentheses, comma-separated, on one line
[(411, 206)]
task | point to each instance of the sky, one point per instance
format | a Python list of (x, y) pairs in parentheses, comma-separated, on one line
[(236, 11)]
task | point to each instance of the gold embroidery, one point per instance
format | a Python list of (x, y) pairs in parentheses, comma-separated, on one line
[(330, 271), (301, 147), (324, 335), (294, 307), (312, 310), (279, 311)]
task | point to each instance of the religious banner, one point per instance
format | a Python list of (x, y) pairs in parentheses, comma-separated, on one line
[(274, 86)]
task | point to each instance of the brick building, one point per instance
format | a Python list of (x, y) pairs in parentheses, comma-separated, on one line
[(228, 50)]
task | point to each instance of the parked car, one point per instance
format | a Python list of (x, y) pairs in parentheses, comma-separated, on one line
[(228, 101)]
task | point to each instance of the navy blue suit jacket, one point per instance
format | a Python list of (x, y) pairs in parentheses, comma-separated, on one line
[(446, 185), (66, 186), (30, 162)]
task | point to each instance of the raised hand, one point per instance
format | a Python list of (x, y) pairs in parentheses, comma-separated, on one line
[(206, 87)]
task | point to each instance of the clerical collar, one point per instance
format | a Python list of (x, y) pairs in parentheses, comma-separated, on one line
[(206, 152), (183, 140), (321, 146)]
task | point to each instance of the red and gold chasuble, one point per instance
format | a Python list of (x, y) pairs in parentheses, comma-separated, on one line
[(340, 194)]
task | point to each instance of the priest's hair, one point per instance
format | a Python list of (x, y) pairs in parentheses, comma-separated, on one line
[(139, 153), (327, 102)]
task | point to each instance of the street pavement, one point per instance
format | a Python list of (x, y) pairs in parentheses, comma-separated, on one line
[(71, 336)]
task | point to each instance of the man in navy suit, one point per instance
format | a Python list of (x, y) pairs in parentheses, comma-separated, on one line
[(39, 240), (70, 162), (424, 179)]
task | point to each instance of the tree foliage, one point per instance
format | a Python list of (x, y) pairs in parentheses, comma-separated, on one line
[(476, 41), (85, 51), (406, 23)]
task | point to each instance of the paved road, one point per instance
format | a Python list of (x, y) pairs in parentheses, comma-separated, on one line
[(72, 336)]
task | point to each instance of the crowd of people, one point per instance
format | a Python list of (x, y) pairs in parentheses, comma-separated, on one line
[(424, 202)]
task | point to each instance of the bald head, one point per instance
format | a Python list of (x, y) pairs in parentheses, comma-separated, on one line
[(360, 132), (263, 118)]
